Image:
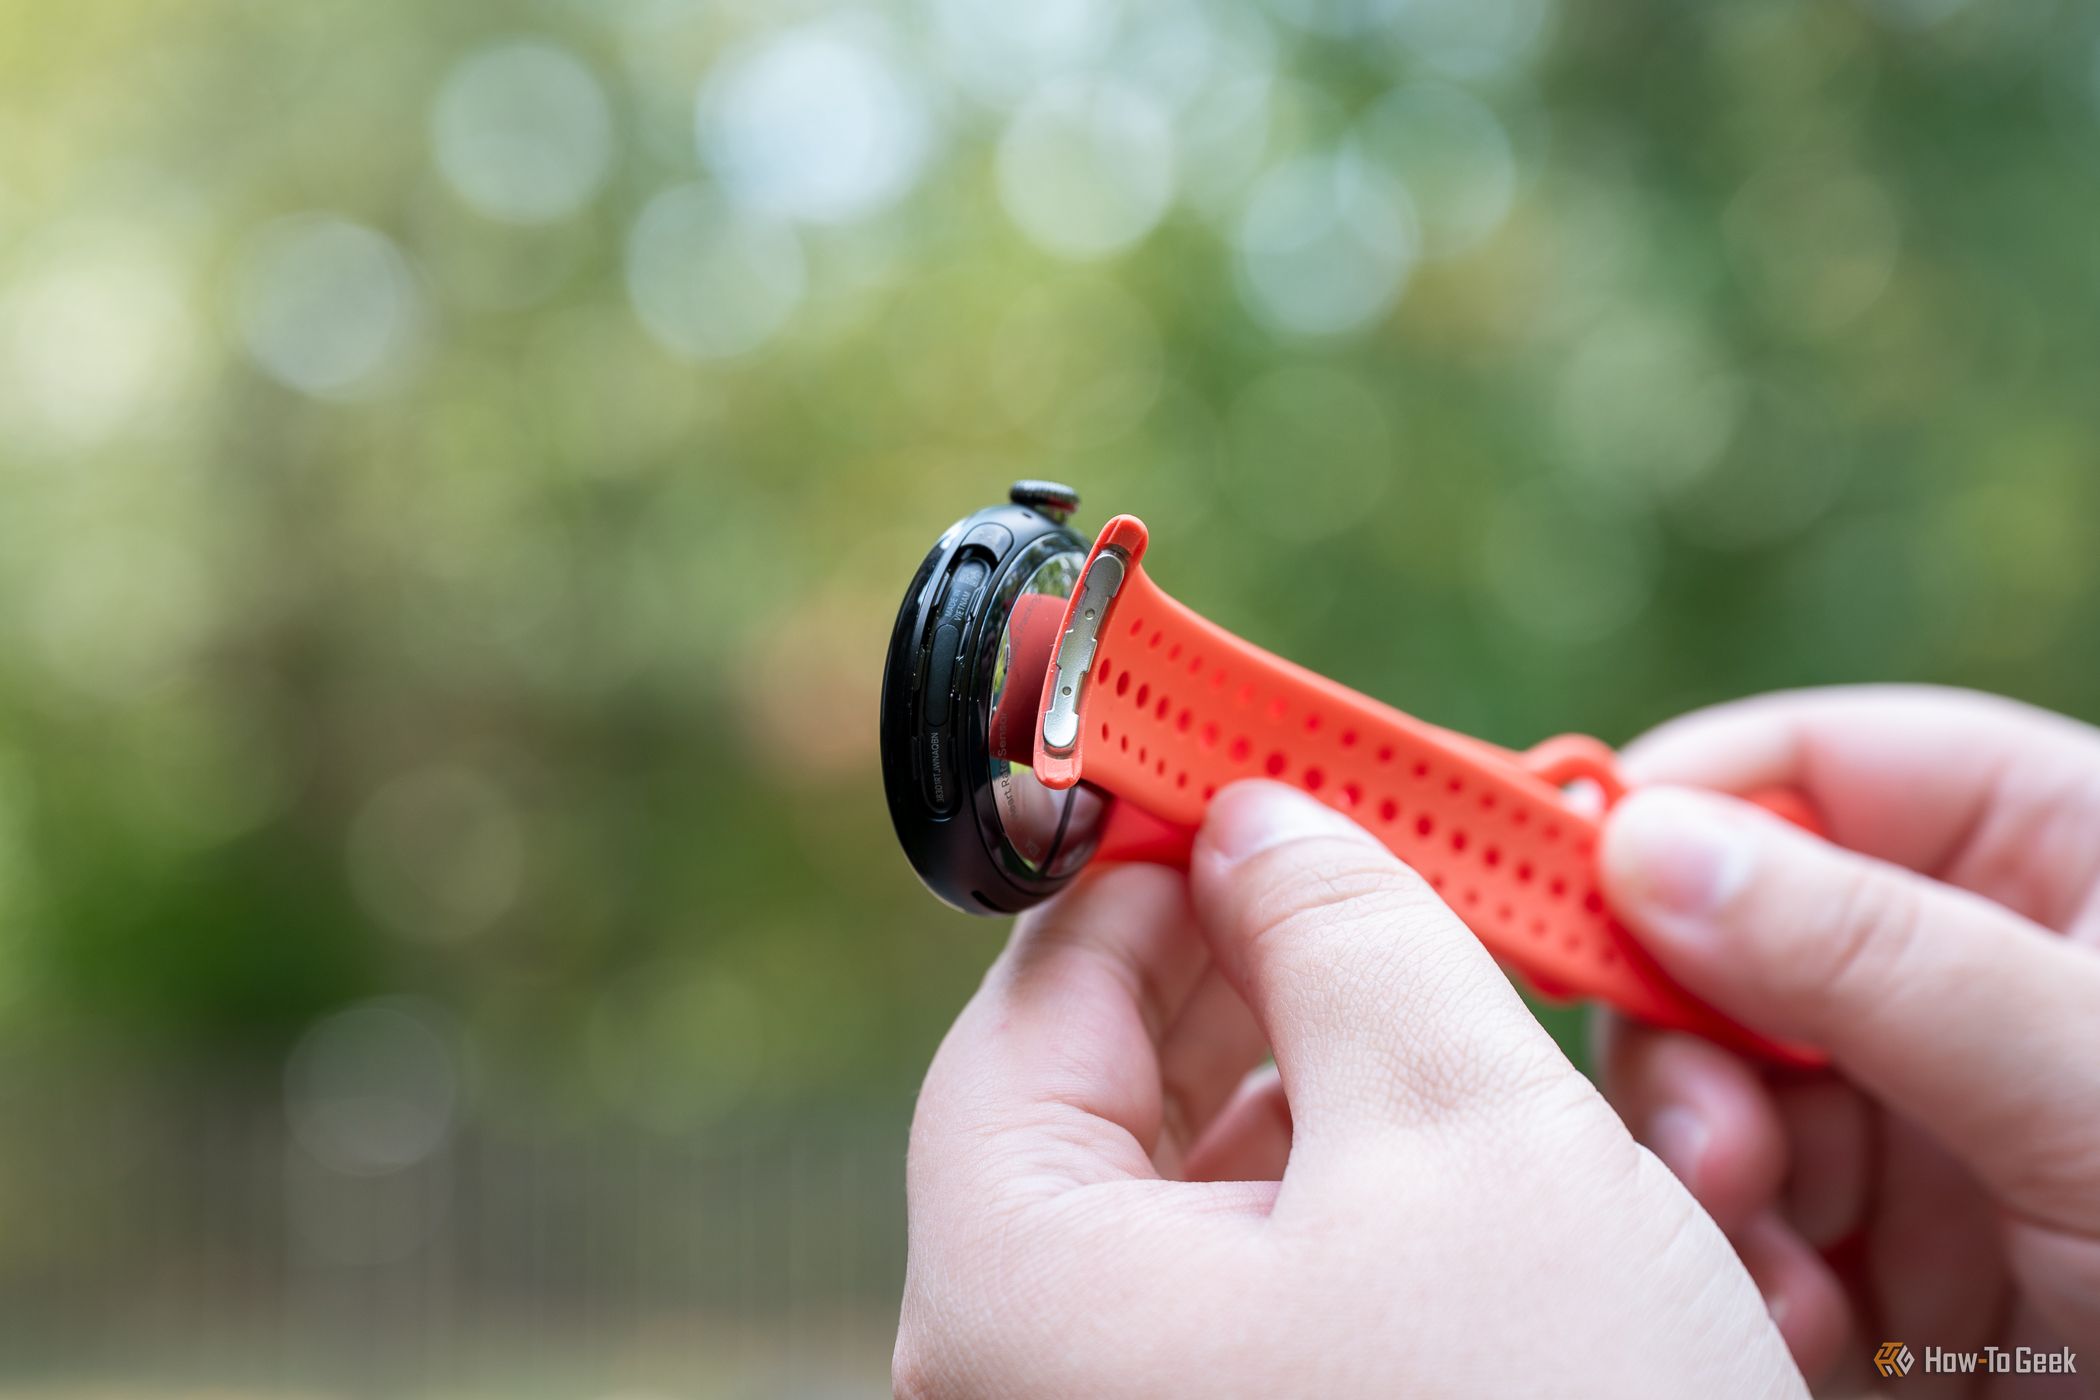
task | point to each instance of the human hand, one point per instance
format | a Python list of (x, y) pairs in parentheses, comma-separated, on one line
[(1444, 1208), (1941, 1186)]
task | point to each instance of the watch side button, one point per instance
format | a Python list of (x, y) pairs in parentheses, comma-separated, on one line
[(993, 538), (940, 675)]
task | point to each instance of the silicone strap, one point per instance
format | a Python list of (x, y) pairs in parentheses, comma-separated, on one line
[(1172, 707)]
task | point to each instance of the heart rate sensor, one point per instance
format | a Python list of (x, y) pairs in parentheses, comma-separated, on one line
[(1141, 700)]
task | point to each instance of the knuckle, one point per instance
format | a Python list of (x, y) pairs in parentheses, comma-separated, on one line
[(2039, 852), (1860, 946), (1337, 932), (1330, 894)]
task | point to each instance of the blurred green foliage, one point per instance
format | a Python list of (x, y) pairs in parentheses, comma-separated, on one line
[(433, 558)]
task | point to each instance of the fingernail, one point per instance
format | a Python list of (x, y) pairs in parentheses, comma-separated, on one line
[(1250, 817), (1676, 854), (1676, 1135)]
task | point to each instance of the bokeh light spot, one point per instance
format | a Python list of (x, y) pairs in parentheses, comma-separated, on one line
[(522, 132), (1086, 168), (1223, 135), (999, 51), (96, 332), (374, 1088), (1469, 38), (816, 123), (1451, 153), (1326, 245), (1644, 404), (325, 306), (438, 853), (711, 281)]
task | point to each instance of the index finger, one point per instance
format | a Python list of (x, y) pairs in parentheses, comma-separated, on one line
[(2000, 798), (1049, 1078)]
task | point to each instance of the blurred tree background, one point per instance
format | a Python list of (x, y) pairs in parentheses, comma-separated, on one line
[(458, 466)]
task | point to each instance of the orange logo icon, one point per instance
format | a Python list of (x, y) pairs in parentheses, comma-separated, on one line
[(1893, 1359)]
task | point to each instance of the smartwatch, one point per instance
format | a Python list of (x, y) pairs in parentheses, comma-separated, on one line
[(1045, 703)]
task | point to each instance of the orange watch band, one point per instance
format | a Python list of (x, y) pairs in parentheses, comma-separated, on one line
[(1147, 700)]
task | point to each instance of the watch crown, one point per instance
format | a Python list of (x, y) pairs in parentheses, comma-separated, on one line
[(1050, 498)]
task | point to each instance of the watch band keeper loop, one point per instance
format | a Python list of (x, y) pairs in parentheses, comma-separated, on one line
[(1571, 758)]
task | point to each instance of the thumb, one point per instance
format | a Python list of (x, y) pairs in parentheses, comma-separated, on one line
[(1381, 1006), (1959, 1014)]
